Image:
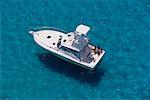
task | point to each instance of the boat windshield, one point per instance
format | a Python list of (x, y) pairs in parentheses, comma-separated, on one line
[(80, 41)]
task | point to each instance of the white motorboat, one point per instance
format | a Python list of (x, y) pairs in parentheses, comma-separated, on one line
[(73, 47)]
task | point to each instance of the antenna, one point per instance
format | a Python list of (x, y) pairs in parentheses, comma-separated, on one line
[(81, 19)]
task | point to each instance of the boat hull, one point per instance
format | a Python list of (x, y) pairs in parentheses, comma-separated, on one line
[(40, 39), (78, 64)]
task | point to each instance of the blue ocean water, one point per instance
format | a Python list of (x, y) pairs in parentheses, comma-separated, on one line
[(121, 27)]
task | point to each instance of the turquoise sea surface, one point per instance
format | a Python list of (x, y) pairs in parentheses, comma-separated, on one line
[(121, 27)]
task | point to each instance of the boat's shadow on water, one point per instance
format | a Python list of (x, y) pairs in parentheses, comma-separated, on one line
[(70, 70)]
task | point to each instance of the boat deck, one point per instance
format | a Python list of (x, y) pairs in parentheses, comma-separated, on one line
[(51, 38)]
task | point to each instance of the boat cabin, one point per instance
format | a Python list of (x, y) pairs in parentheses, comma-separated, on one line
[(77, 43)]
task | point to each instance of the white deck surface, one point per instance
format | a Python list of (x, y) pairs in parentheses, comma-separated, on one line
[(54, 37)]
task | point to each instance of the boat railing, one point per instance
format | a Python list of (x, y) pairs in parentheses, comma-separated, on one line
[(48, 28)]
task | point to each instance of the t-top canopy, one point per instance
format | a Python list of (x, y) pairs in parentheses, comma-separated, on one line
[(82, 29)]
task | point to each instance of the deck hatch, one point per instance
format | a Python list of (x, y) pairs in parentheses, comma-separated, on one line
[(48, 37)]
